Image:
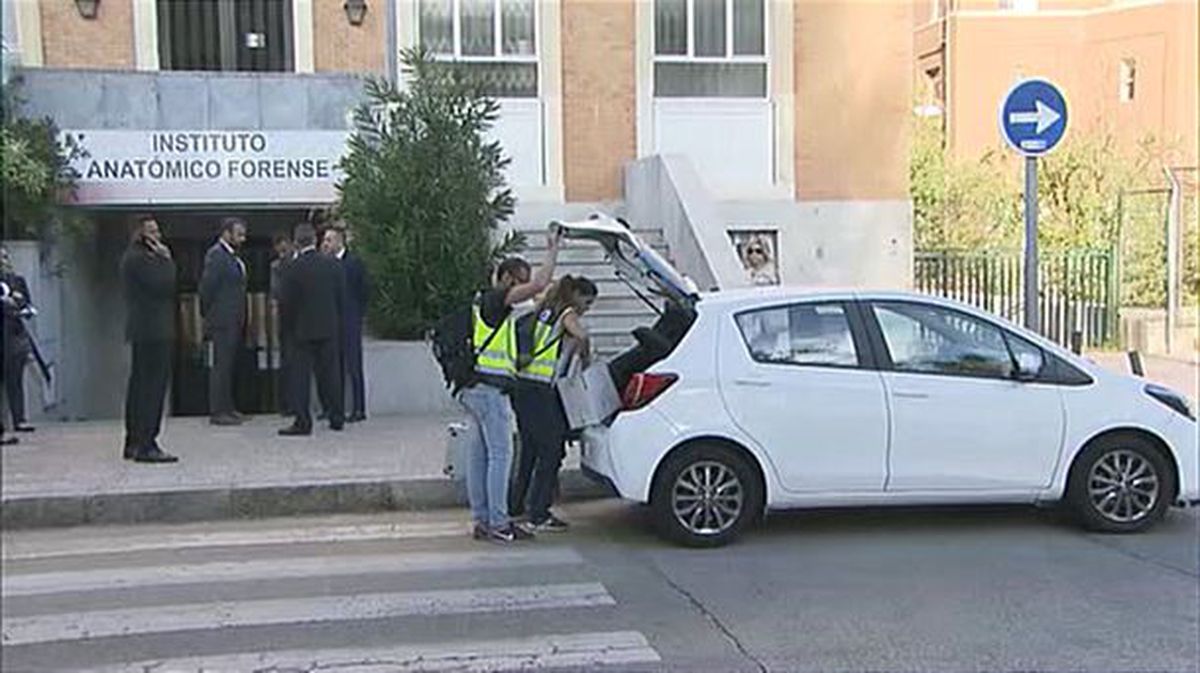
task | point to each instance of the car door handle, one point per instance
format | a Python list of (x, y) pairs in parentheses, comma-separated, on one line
[(756, 383), (910, 395)]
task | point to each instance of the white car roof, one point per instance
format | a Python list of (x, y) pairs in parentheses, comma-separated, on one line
[(749, 296)]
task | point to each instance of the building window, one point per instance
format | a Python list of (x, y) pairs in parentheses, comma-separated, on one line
[(253, 35), (1128, 79), (496, 40), (710, 49)]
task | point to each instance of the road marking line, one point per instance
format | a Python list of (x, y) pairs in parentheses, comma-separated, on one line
[(145, 577), (18, 550), (231, 614), (583, 650)]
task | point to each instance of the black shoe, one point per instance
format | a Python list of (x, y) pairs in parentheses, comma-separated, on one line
[(224, 419), (520, 532), (240, 416), (129, 453), (479, 532), (24, 427), (356, 418), (295, 431), (501, 535), (551, 524), (9, 441), (337, 426), (154, 455)]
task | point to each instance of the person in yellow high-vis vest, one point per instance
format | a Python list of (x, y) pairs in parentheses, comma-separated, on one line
[(489, 449), (548, 339)]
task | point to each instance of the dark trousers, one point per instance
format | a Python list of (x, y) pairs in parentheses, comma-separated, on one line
[(14, 385), (225, 344), (321, 358), (285, 377), (543, 428), (146, 393), (352, 361)]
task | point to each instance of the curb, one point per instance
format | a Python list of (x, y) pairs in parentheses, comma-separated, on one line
[(210, 504)]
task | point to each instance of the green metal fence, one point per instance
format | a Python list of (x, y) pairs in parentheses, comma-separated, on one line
[(1078, 288)]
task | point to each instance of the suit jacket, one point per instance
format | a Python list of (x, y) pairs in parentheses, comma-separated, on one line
[(357, 289), (312, 299), (148, 280), (16, 339), (222, 290)]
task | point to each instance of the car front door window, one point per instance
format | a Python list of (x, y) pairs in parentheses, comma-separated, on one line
[(932, 340)]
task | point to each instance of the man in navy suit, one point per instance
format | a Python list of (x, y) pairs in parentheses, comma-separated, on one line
[(355, 303), (223, 307)]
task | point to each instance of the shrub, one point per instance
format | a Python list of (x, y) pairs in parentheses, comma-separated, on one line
[(425, 193)]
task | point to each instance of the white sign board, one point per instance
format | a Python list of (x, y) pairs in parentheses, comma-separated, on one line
[(207, 167)]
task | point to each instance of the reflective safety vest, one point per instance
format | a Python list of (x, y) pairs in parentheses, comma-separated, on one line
[(543, 356), (497, 359)]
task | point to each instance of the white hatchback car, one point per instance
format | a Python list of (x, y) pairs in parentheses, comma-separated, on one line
[(739, 402)]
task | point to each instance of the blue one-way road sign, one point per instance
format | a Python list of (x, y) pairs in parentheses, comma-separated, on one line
[(1033, 117)]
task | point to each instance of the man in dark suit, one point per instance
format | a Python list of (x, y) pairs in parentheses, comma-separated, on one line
[(18, 346), (223, 307), (285, 254), (311, 315), (148, 281), (352, 321)]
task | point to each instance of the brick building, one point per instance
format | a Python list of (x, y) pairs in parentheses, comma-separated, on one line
[(700, 121), (1128, 67)]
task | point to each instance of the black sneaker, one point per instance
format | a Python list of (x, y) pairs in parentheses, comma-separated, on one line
[(479, 532), (550, 524), (501, 535), (520, 532)]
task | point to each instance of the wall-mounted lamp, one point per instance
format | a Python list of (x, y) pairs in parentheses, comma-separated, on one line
[(87, 8), (356, 10)]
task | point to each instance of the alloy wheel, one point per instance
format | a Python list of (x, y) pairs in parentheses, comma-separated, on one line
[(1123, 486), (707, 498)]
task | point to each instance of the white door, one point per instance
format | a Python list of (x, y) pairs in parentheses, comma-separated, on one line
[(961, 420), (796, 380)]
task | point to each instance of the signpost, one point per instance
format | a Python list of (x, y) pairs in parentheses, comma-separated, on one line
[(1033, 120)]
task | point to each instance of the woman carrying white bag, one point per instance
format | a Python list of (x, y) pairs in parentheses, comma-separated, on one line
[(548, 340)]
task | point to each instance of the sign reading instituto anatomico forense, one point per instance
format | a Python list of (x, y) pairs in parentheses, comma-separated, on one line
[(206, 167)]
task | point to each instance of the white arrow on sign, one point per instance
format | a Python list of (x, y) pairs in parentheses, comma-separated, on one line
[(1044, 117)]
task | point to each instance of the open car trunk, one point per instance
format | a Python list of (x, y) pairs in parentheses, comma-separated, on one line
[(650, 277)]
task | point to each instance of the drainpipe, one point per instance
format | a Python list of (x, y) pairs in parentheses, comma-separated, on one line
[(393, 55)]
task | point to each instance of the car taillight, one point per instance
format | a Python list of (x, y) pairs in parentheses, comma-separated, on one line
[(643, 388)]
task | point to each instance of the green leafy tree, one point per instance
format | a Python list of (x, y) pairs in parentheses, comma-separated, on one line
[(424, 191), (36, 171)]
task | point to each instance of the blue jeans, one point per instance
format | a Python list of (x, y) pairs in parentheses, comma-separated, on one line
[(489, 453)]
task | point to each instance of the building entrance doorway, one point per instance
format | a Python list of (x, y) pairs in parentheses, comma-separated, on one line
[(256, 380)]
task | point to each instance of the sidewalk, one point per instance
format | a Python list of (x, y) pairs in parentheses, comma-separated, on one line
[(1177, 373), (73, 474)]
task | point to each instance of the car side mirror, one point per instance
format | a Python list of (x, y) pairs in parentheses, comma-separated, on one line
[(1028, 366)]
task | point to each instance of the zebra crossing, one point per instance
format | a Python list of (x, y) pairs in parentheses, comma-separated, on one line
[(353, 597)]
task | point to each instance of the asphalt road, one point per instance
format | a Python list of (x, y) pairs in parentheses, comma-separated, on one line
[(997, 589)]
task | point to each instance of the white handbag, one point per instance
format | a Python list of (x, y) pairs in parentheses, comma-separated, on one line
[(589, 397)]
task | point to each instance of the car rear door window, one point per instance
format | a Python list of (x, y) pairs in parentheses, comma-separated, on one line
[(931, 339), (816, 334)]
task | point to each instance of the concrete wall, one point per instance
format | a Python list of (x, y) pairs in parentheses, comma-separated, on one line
[(341, 47), (599, 96), (853, 99), (403, 378), (189, 100), (69, 40)]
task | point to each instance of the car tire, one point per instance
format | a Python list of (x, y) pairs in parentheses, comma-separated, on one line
[(1120, 484), (705, 495)]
